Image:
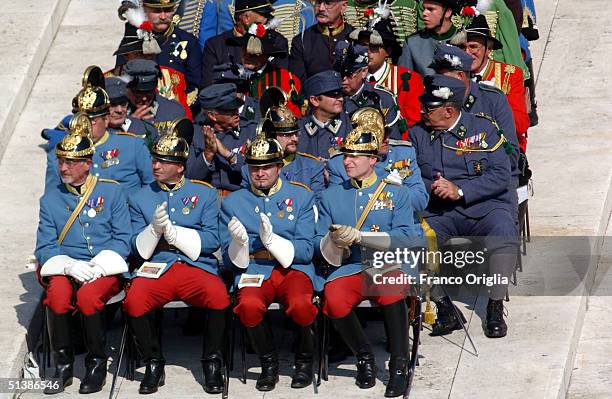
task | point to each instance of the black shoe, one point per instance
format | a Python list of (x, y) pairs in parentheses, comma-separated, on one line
[(366, 370), (94, 333), (58, 326), (398, 377), (154, 377), (496, 326), (302, 374), (447, 320), (212, 368), (269, 373)]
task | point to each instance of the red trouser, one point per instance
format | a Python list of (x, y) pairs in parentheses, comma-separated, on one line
[(290, 287), (344, 293), (181, 282), (90, 297)]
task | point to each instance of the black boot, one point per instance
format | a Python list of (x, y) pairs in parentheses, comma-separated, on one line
[(396, 325), (302, 375), (95, 360), (61, 347), (147, 340), (350, 330), (263, 344), (496, 326), (446, 321), (212, 356)]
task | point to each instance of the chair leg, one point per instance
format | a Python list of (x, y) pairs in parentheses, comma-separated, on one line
[(119, 358), (416, 324), (315, 379), (243, 352), (527, 223)]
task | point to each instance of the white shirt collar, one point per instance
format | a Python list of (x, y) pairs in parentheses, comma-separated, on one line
[(378, 74)]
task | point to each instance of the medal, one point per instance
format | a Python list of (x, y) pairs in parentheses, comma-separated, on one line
[(484, 144), (99, 208), (257, 209), (280, 214), (91, 213), (186, 210), (291, 217), (289, 209)]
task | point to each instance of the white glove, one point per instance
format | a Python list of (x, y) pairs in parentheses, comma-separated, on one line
[(265, 230), (160, 218), (80, 270), (344, 236), (186, 239), (238, 231), (98, 272)]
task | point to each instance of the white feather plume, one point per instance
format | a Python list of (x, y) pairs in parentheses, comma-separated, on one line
[(483, 5), (135, 16), (443, 92)]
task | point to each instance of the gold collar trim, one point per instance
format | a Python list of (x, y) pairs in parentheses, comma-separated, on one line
[(178, 185), (327, 31), (273, 190), (288, 159), (83, 188), (365, 183), (102, 139)]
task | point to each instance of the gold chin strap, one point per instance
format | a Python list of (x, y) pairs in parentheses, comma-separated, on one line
[(273, 190), (178, 185)]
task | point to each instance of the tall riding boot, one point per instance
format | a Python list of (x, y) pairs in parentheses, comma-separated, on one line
[(263, 344), (61, 347), (147, 340), (95, 360), (446, 321), (350, 330), (302, 375), (212, 354), (396, 323)]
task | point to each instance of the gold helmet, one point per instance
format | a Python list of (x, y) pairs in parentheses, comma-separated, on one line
[(362, 140), (77, 144), (173, 144), (92, 99), (263, 151), (276, 117), (372, 118)]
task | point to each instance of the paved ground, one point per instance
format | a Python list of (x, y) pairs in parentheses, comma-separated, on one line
[(570, 155)]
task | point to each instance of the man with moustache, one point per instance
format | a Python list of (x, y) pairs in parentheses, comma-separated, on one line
[(81, 244), (315, 50)]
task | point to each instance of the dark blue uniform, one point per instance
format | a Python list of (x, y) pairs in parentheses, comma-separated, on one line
[(250, 111), (317, 140), (181, 51), (314, 50), (164, 112), (377, 97), (216, 52)]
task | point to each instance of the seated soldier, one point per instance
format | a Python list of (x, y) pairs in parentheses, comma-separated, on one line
[(236, 74), (323, 129), (145, 102), (82, 242), (369, 203), (121, 156), (299, 167), (352, 64), (217, 150), (258, 48), (118, 121), (267, 233), (467, 172), (176, 232)]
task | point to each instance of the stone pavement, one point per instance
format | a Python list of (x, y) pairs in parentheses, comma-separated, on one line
[(569, 153)]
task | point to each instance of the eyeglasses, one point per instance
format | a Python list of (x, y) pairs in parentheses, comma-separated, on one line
[(429, 109), (473, 47), (70, 163), (326, 3), (333, 94), (289, 134)]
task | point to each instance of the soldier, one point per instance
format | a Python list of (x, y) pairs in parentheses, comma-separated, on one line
[(378, 36), (465, 167), (179, 50), (505, 77), (116, 88), (236, 74), (314, 50), (175, 225), (299, 167), (418, 49), (323, 129), (405, 13), (217, 152), (145, 102), (344, 214), (82, 243), (352, 63), (121, 156), (257, 48), (480, 97), (246, 13), (394, 156), (267, 233)]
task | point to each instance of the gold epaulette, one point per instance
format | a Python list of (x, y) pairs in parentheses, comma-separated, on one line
[(309, 156), (108, 181), (127, 134), (202, 183), (300, 184)]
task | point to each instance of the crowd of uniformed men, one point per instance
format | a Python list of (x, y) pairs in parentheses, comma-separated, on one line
[(261, 169)]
